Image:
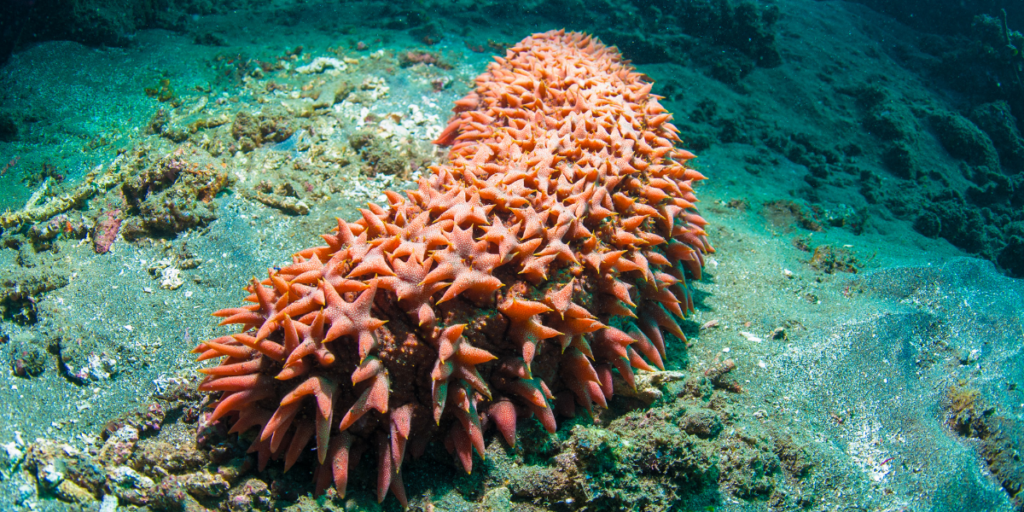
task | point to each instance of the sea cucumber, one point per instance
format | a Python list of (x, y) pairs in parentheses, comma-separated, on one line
[(548, 257)]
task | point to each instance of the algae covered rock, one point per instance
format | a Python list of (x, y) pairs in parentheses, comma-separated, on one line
[(998, 121), (964, 140), (8, 127), (173, 195), (692, 445), (251, 131), (28, 357)]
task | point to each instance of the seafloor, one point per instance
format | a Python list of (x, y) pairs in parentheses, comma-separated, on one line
[(858, 337)]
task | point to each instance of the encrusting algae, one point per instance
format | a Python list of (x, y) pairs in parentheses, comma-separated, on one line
[(548, 257)]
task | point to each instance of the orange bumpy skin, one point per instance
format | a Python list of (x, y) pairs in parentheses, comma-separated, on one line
[(547, 258)]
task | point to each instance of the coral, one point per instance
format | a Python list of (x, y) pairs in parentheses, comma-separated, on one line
[(547, 259), (104, 232)]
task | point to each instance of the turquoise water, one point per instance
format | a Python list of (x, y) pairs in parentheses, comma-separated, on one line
[(864, 199)]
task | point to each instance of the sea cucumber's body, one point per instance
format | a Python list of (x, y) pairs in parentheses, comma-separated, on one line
[(545, 259)]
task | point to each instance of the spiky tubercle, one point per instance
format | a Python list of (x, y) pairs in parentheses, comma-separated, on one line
[(548, 257)]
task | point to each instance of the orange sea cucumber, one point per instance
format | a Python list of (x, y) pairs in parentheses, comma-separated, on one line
[(547, 258)]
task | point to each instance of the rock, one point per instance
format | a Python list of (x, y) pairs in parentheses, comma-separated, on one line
[(320, 64), (964, 140), (998, 121), (648, 385), (51, 474), (701, 423), (28, 357), (119, 446), (109, 503), (204, 485), (8, 127), (235, 468), (73, 493), (11, 456), (499, 499), (253, 494), (127, 478), (170, 279), (173, 458)]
